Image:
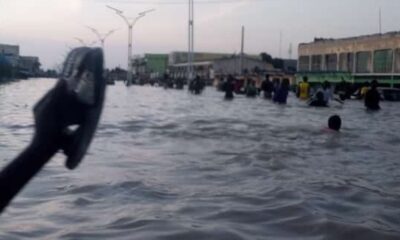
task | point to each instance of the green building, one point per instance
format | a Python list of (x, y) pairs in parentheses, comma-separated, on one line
[(150, 66)]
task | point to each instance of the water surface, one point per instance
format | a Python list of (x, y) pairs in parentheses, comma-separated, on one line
[(169, 165)]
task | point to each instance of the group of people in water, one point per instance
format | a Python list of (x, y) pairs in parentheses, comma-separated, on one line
[(318, 96), (276, 90)]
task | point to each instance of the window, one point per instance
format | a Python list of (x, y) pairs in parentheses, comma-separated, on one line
[(363, 62), (316, 62), (346, 62), (383, 61), (397, 61), (331, 62), (304, 63)]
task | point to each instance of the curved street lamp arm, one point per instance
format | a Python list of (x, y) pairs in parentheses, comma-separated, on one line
[(110, 32), (124, 18), (137, 19), (115, 9), (81, 41), (142, 14), (147, 11), (119, 13), (92, 43), (95, 31)]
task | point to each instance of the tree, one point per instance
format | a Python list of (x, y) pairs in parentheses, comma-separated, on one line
[(266, 57), (278, 63)]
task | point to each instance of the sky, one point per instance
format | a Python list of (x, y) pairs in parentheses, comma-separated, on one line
[(48, 28)]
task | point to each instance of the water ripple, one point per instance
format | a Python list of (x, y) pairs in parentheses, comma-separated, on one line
[(169, 165)]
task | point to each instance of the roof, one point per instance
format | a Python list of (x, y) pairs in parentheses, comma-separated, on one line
[(8, 45), (204, 63), (362, 37), (238, 56)]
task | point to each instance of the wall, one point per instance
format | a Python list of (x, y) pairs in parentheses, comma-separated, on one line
[(232, 65), (352, 54)]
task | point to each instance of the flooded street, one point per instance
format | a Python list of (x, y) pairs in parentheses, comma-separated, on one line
[(166, 164)]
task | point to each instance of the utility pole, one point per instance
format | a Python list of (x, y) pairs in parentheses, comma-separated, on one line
[(242, 52), (380, 21), (130, 23), (190, 43), (280, 44)]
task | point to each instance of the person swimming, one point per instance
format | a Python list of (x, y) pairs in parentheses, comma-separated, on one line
[(334, 122)]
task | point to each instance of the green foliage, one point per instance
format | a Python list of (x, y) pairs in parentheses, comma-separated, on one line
[(276, 62)]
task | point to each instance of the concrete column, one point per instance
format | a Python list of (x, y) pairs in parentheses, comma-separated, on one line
[(393, 67), (337, 61), (371, 63)]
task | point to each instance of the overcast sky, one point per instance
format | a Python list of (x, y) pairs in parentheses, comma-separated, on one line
[(47, 28)]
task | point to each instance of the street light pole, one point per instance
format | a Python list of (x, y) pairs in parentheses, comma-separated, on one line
[(102, 37), (130, 30), (190, 56)]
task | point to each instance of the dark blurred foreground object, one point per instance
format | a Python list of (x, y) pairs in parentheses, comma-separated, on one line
[(335, 122), (65, 119), (390, 94)]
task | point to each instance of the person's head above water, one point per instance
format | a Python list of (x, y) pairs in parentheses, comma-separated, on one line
[(326, 85), (374, 84), (319, 96), (335, 122)]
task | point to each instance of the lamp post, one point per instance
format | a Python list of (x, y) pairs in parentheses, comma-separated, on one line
[(130, 22), (190, 56), (102, 37)]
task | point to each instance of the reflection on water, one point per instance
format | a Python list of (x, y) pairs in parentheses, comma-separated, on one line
[(169, 165)]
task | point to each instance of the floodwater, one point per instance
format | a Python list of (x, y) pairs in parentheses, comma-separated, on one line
[(169, 165)]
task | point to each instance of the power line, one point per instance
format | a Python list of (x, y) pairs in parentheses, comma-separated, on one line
[(182, 2)]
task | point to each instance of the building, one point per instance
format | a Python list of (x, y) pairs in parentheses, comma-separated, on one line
[(232, 65), (10, 53), (289, 65), (150, 66), (220, 64), (203, 69), (182, 57), (117, 74), (29, 66), (202, 64), (21, 66), (358, 59)]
